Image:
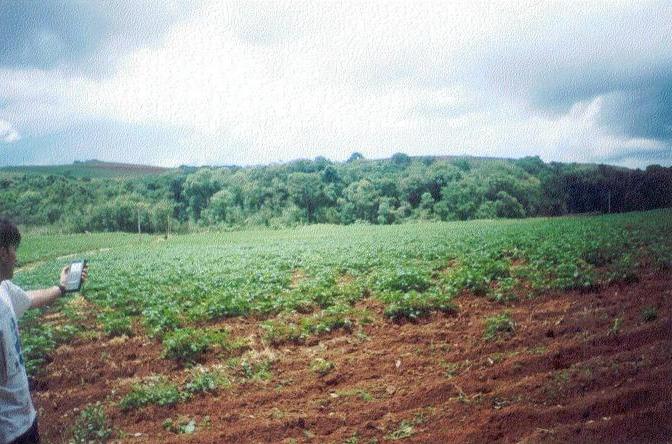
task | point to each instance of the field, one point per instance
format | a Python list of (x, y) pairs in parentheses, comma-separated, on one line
[(91, 169), (532, 330)]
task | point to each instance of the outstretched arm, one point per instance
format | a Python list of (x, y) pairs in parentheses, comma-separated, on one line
[(45, 296)]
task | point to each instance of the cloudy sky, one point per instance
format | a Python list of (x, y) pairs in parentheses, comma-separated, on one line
[(216, 82)]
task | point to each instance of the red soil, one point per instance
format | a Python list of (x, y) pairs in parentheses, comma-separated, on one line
[(571, 372)]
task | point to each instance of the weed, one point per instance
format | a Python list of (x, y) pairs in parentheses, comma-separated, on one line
[(354, 439), (182, 425), (91, 426), (361, 394), (413, 305), (649, 314), (278, 332), (115, 324), (404, 430), (188, 344), (155, 390), (332, 318), (615, 327), (206, 380), (498, 325), (321, 366), (259, 370)]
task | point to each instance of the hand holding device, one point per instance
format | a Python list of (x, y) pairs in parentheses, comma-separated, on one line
[(73, 280)]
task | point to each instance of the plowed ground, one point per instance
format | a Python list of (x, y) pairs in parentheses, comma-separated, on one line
[(580, 367)]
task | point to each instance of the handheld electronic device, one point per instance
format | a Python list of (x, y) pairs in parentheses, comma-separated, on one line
[(74, 280)]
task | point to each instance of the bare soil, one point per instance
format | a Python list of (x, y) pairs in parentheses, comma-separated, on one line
[(580, 367)]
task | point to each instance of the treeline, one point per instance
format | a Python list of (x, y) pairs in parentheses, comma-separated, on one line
[(386, 191)]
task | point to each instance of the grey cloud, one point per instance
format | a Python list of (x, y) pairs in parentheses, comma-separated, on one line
[(645, 112), (660, 156), (68, 34)]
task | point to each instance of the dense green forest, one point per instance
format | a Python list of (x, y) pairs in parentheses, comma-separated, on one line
[(388, 191)]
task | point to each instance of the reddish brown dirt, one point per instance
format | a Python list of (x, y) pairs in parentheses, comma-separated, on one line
[(581, 367)]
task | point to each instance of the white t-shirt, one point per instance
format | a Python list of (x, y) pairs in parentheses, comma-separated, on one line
[(16, 408)]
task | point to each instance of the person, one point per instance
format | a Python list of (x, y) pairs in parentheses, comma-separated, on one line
[(18, 418)]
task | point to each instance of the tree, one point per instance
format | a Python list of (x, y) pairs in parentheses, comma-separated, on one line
[(305, 190), (401, 160), (508, 206), (364, 198)]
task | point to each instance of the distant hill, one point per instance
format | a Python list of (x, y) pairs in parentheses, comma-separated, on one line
[(90, 168)]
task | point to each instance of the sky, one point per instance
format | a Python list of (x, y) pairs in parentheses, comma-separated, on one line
[(203, 82)]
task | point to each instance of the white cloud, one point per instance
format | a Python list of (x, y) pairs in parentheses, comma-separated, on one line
[(7, 132), (264, 82)]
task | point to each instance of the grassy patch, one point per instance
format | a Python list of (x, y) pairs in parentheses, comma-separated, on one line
[(203, 380), (155, 390), (115, 324), (501, 325), (413, 305), (189, 344), (321, 366)]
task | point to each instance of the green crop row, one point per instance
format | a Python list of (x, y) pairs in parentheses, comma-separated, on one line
[(165, 286)]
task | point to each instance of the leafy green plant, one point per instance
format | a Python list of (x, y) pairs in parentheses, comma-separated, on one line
[(403, 431), (404, 279), (321, 366), (189, 344), (204, 380), (329, 319), (91, 426), (414, 305), (278, 332), (182, 425), (156, 390), (258, 370), (115, 324), (499, 325)]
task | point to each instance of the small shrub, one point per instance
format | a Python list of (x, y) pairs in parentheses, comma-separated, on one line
[(189, 344), (206, 381), (649, 314), (153, 391), (36, 346), (91, 426), (159, 320), (181, 425), (321, 366), (332, 318), (498, 325), (404, 431), (65, 332), (278, 332), (116, 325), (404, 280), (414, 305)]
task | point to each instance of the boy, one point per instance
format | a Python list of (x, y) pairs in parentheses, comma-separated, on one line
[(18, 419)]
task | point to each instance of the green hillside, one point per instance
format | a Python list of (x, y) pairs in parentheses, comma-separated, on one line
[(89, 168)]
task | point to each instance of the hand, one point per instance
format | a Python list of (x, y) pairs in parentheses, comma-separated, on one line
[(85, 273), (64, 274), (66, 270)]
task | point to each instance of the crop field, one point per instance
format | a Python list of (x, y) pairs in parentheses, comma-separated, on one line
[(425, 332)]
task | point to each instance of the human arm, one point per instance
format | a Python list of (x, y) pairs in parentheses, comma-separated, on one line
[(45, 296)]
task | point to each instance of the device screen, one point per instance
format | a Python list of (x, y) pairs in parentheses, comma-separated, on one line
[(74, 281)]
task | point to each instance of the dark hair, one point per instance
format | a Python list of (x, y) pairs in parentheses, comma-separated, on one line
[(9, 234)]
